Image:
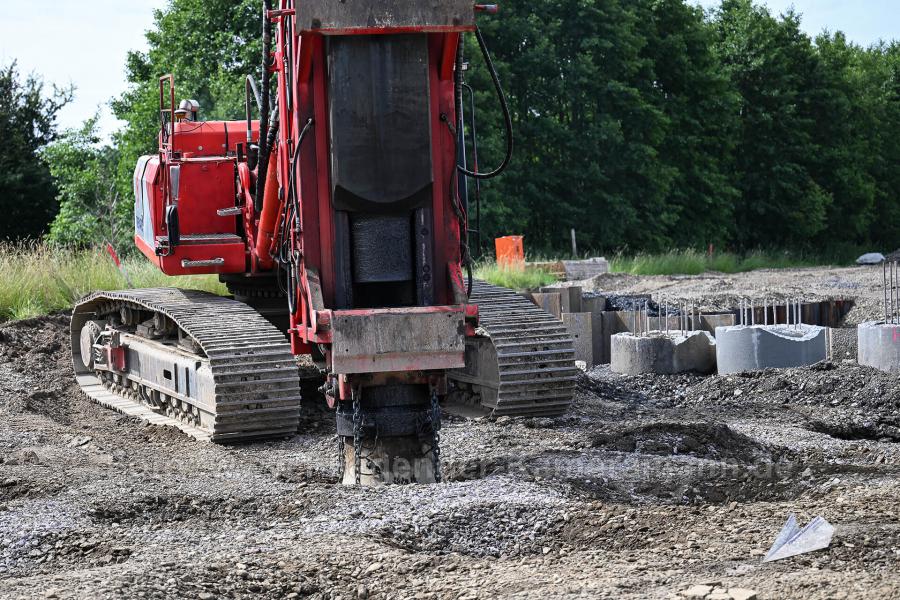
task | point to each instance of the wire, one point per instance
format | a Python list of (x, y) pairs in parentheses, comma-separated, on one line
[(507, 118), (290, 213)]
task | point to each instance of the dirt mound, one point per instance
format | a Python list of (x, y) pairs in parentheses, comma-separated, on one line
[(35, 371), (712, 441)]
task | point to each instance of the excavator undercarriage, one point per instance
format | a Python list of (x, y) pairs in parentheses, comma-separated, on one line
[(338, 220)]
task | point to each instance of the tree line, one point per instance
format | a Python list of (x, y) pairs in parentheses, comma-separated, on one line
[(643, 124)]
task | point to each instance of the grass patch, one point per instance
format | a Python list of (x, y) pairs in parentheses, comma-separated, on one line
[(36, 279), (692, 262), (517, 279)]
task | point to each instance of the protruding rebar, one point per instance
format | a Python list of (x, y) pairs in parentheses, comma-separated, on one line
[(666, 306), (892, 311), (884, 288), (766, 312)]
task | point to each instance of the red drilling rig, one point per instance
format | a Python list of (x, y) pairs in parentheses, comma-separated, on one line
[(338, 221)]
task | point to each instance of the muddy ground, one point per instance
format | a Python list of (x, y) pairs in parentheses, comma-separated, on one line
[(649, 486)]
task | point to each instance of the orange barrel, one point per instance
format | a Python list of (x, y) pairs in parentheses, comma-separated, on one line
[(510, 251)]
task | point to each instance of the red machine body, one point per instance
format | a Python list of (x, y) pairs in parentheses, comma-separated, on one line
[(360, 217)]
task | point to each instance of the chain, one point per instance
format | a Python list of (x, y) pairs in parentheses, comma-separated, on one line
[(357, 433), (435, 418), (342, 461)]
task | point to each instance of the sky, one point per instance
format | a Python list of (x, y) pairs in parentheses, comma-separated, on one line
[(85, 42), (76, 41), (864, 21)]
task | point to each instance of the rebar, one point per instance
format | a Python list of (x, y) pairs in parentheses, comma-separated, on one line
[(666, 305), (648, 317), (891, 273)]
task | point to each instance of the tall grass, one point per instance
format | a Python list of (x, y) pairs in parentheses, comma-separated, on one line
[(36, 279), (692, 262), (517, 279)]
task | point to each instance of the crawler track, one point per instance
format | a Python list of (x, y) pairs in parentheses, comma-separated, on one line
[(241, 381), (523, 361)]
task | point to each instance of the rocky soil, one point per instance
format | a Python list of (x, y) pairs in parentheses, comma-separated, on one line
[(651, 487)]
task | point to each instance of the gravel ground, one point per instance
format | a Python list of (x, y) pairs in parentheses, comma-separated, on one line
[(649, 487)]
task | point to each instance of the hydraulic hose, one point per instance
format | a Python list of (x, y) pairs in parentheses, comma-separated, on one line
[(291, 210), (507, 118), (263, 163)]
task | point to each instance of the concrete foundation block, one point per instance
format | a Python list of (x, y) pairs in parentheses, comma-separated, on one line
[(550, 302), (711, 322), (595, 305), (569, 297), (878, 345), (754, 348), (579, 326), (572, 301), (660, 353), (585, 269), (613, 322)]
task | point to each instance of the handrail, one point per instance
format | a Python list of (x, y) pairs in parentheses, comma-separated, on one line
[(167, 136)]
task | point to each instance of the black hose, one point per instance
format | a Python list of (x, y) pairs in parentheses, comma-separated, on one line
[(507, 118), (263, 163), (457, 91), (284, 257)]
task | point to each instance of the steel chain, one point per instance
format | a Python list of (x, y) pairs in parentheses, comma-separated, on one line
[(357, 434), (435, 419)]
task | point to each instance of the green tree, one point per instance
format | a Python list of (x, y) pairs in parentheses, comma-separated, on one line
[(587, 137), (701, 108), (27, 124), (774, 68), (847, 110), (882, 68), (90, 207)]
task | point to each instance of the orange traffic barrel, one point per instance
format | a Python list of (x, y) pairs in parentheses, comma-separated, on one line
[(510, 251)]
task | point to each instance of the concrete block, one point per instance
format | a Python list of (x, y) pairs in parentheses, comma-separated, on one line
[(754, 348), (596, 304), (613, 322), (878, 345), (592, 302), (551, 302), (579, 326), (659, 353), (572, 301), (585, 269), (711, 322), (570, 297)]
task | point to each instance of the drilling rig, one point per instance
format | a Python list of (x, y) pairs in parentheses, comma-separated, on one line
[(336, 219)]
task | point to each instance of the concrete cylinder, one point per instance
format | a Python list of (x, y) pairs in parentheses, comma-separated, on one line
[(754, 348), (661, 353), (878, 345)]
